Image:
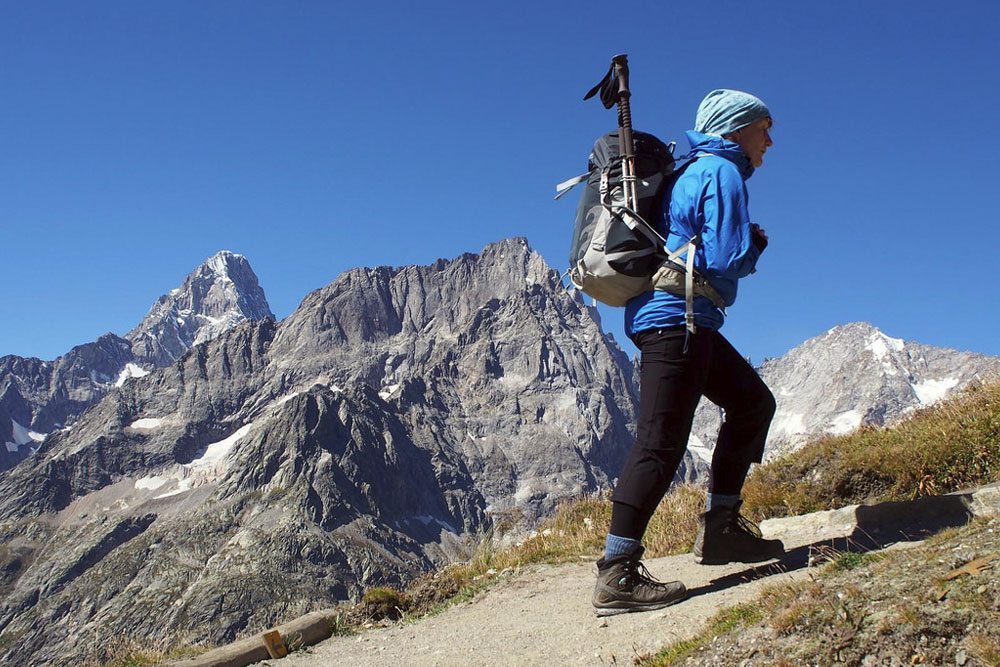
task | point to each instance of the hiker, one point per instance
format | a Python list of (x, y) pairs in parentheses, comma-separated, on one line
[(678, 366)]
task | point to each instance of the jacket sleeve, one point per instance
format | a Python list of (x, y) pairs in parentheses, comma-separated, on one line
[(725, 237)]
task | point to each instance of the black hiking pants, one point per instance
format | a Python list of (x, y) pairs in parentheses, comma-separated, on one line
[(671, 382)]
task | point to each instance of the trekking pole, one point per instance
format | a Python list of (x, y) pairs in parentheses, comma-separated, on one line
[(614, 90), (626, 145)]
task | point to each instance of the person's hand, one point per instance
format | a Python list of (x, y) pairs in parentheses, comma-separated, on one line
[(758, 236)]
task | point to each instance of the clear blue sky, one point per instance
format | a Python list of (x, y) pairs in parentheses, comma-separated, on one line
[(138, 138)]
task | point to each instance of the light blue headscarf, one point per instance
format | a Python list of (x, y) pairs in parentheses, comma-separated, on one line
[(724, 111)]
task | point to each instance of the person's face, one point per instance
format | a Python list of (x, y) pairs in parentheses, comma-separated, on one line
[(754, 139)]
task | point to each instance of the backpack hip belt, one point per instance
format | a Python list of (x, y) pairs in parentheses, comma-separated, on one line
[(681, 279)]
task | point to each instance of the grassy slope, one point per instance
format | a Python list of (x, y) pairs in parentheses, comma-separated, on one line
[(890, 607), (951, 446)]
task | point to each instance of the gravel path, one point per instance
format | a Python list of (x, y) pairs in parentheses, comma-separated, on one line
[(544, 617)]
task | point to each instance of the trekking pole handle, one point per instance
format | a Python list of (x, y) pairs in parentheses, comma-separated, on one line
[(626, 143)]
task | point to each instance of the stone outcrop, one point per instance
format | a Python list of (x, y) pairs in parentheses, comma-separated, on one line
[(219, 294)]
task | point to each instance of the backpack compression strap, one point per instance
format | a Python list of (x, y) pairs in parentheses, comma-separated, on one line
[(566, 186), (689, 273)]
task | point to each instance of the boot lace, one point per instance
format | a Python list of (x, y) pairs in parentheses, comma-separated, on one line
[(643, 576), (743, 524)]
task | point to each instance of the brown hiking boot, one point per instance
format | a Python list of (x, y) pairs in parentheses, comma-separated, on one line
[(624, 584), (726, 536)]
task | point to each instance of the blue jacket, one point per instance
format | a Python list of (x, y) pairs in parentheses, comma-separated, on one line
[(708, 199)]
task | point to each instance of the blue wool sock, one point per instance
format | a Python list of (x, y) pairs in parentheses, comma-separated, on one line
[(720, 500), (616, 546)]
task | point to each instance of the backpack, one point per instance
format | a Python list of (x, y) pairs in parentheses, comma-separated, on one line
[(615, 250), (616, 253)]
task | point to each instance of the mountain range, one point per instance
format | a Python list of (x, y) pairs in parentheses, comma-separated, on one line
[(215, 471)]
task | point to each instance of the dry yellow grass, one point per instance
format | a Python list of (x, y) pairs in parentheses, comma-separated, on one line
[(951, 446), (142, 652)]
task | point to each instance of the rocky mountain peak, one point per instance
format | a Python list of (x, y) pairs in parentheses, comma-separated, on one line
[(396, 413), (851, 376), (220, 293), (42, 396), (869, 336), (855, 375)]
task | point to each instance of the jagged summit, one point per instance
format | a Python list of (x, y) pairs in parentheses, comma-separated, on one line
[(852, 332), (221, 261), (857, 327), (515, 254), (48, 395), (369, 304), (218, 294)]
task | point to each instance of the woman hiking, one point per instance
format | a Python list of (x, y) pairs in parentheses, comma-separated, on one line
[(678, 366)]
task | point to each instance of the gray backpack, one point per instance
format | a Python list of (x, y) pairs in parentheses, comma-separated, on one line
[(615, 251)]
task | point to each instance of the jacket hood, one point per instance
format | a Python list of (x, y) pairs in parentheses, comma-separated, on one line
[(716, 145)]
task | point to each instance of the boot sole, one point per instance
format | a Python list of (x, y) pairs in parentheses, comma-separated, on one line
[(614, 611)]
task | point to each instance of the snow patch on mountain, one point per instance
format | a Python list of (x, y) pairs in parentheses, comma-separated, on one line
[(932, 391), (130, 371), (287, 397), (219, 264), (698, 448), (845, 422), (217, 451), (207, 468), (789, 424), (22, 436), (879, 344)]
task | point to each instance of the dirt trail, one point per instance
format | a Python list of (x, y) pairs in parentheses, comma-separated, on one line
[(544, 617)]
